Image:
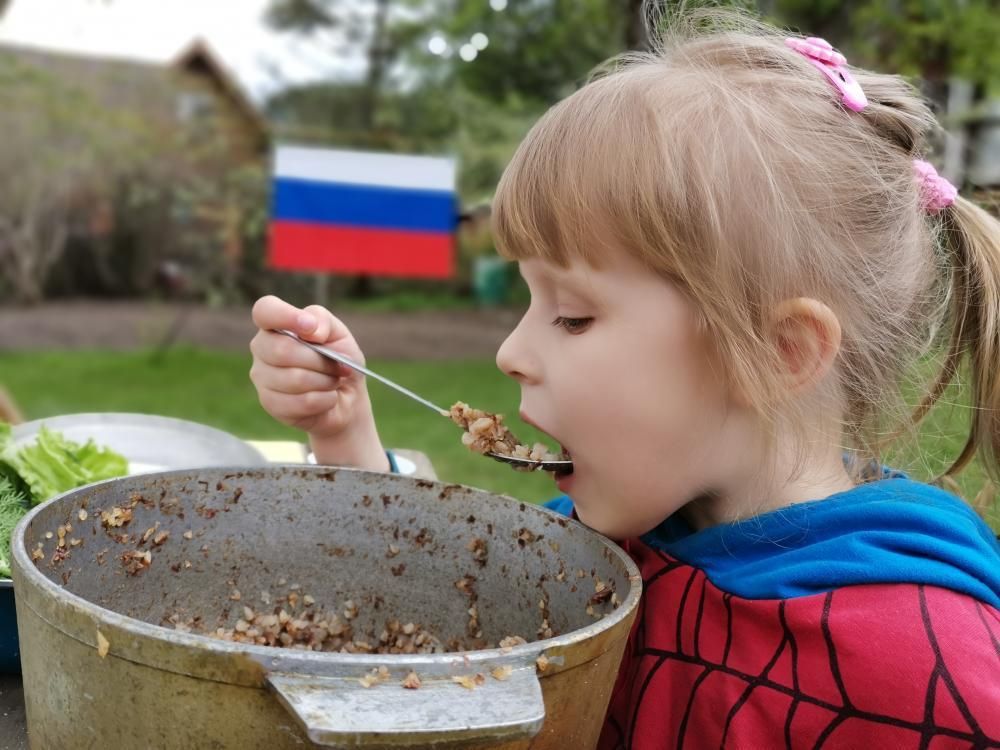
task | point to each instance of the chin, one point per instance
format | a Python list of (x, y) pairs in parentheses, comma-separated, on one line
[(609, 527)]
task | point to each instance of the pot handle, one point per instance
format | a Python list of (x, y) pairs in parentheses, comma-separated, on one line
[(341, 712)]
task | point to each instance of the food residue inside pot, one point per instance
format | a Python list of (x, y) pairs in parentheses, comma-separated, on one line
[(296, 619), (312, 629)]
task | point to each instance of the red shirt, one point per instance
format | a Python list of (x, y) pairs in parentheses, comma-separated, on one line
[(887, 665)]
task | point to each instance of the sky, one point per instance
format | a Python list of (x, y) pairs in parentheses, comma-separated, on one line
[(156, 30)]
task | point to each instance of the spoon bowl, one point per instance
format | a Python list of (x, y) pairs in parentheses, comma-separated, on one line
[(558, 466)]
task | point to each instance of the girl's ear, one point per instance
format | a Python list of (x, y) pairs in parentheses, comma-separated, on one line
[(806, 335)]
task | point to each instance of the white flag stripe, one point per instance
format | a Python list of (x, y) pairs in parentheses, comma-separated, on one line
[(361, 168)]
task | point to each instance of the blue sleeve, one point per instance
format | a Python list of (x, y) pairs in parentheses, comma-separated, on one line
[(561, 505)]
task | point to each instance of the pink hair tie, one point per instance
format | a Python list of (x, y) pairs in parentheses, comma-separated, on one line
[(936, 193), (821, 54)]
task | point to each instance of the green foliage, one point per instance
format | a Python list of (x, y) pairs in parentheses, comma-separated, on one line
[(488, 134), (538, 50), (60, 114), (933, 39), (360, 31), (13, 506), (414, 121)]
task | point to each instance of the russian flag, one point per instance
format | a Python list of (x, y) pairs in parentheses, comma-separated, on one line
[(362, 213)]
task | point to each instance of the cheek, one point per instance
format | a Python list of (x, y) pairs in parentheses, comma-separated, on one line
[(673, 402)]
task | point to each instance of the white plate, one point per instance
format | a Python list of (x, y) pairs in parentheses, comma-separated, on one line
[(150, 443)]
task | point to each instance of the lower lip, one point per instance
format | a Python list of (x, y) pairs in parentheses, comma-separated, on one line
[(564, 482)]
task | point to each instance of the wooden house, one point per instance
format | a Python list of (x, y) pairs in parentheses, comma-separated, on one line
[(192, 89)]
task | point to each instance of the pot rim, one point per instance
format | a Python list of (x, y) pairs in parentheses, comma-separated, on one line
[(274, 659)]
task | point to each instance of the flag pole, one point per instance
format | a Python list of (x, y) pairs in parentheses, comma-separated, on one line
[(322, 289)]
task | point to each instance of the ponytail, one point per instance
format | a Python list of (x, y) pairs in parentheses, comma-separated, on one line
[(972, 239)]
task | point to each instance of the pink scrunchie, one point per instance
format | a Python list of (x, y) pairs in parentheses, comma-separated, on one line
[(936, 193)]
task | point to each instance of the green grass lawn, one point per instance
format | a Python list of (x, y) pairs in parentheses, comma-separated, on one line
[(213, 388)]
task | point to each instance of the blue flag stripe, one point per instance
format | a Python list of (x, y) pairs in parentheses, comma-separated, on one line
[(364, 206)]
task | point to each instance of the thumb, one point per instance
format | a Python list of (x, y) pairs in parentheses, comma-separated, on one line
[(306, 323), (325, 328)]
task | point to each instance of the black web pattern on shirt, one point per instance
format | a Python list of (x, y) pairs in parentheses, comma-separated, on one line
[(927, 729)]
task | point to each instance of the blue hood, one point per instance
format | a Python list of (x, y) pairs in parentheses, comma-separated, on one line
[(890, 531)]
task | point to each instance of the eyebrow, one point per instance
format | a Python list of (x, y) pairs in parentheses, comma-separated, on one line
[(581, 286), (553, 280)]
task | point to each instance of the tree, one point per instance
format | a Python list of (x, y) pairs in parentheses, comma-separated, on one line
[(60, 152), (932, 39), (110, 186), (537, 50), (350, 18), (412, 120)]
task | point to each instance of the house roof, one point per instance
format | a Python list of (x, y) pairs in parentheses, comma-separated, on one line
[(117, 79), (199, 57)]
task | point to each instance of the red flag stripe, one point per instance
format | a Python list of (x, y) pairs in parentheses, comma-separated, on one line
[(296, 246)]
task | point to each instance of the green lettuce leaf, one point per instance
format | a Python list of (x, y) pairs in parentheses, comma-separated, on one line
[(53, 464), (37, 472)]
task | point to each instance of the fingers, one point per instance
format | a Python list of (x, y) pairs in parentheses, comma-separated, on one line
[(277, 351), (291, 380), (314, 323), (294, 408), (330, 329)]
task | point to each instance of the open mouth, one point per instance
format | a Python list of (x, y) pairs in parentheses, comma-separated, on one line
[(563, 455), (561, 470)]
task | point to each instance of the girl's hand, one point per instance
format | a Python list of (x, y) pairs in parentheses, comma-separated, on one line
[(300, 388)]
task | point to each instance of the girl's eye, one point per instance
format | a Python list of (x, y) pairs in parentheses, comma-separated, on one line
[(573, 325)]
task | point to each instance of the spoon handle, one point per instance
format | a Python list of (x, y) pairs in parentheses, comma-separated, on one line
[(336, 357)]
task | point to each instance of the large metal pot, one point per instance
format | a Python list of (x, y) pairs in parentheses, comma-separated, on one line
[(103, 668)]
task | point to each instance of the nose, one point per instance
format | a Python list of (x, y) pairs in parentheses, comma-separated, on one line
[(514, 356)]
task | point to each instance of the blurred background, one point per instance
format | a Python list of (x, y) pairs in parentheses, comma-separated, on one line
[(136, 146)]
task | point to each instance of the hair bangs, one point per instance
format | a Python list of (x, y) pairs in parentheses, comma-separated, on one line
[(570, 192)]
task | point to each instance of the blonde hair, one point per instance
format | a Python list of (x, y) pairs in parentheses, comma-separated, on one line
[(725, 162)]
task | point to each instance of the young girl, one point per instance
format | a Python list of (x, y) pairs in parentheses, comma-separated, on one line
[(736, 256)]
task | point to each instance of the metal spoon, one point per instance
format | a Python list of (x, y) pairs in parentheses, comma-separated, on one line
[(523, 464)]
